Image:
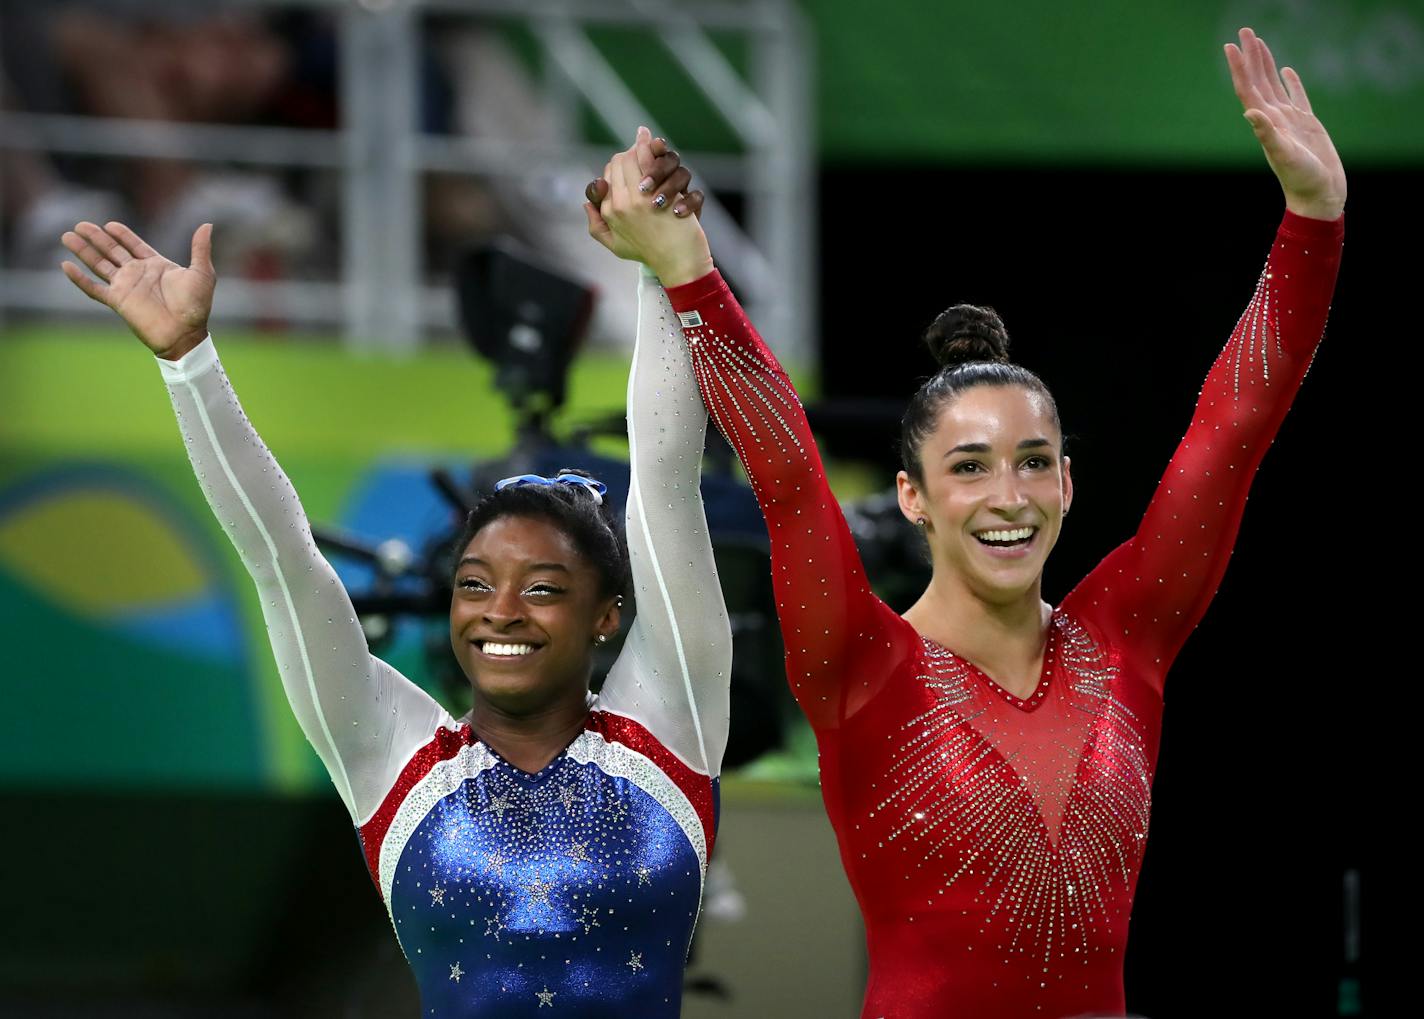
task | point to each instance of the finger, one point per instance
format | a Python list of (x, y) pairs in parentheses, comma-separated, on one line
[(89, 255), (95, 291), (135, 244), (596, 191), (643, 150), (625, 166), (1240, 76), (111, 248), (1269, 61), (598, 227), (663, 168), (1250, 59), (1243, 80), (1296, 88), (675, 186), (689, 205), (1254, 99), (1253, 77), (1268, 81), (1268, 133), (201, 253), (660, 147), (613, 181)]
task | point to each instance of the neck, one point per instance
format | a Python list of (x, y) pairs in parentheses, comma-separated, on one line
[(980, 629), (529, 741)]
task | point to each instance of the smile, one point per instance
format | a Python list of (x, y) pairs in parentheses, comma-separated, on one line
[(494, 649), (1007, 538)]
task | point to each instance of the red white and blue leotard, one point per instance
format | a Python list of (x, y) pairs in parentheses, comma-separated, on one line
[(994, 843), (575, 889)]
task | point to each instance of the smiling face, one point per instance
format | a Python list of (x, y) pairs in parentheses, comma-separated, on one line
[(524, 616), (994, 489)]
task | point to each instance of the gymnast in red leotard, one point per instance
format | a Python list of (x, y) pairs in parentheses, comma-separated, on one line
[(987, 760)]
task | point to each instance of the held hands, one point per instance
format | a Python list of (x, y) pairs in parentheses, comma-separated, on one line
[(164, 304), (1296, 145), (626, 218)]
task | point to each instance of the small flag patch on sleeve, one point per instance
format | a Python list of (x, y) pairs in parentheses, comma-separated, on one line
[(689, 319)]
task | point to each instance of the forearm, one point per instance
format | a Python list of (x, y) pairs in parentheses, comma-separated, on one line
[(1157, 586), (823, 599), (334, 685), (681, 635)]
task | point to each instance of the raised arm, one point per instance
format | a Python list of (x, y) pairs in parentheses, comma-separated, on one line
[(675, 670), (363, 718), (834, 628), (1152, 591)]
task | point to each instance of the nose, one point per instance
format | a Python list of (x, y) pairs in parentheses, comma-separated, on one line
[(1007, 494), (503, 609)]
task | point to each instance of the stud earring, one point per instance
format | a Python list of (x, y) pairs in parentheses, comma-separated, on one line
[(919, 521), (602, 638)]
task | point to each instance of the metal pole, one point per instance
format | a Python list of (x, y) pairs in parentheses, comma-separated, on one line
[(380, 244), (782, 209)]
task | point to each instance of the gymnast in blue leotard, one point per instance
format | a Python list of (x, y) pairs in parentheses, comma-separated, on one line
[(547, 850)]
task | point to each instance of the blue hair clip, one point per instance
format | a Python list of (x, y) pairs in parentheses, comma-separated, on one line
[(597, 489)]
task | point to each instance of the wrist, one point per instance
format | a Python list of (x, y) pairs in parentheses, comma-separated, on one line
[(1316, 208), (678, 272), (185, 344)]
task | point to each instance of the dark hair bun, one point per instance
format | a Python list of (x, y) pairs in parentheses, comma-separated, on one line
[(967, 332)]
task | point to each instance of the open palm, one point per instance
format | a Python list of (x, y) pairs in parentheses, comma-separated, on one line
[(164, 304), (1296, 144)]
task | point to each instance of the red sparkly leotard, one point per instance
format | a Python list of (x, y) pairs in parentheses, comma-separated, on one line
[(994, 843)]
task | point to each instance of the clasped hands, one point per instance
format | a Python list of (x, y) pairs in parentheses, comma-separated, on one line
[(641, 210)]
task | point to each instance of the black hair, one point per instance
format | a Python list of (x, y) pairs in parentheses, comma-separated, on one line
[(574, 511), (972, 347)]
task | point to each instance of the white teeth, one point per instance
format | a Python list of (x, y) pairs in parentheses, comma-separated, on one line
[(1017, 534), (491, 648)]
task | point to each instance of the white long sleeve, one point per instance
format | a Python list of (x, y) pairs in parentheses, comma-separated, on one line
[(674, 673), (363, 718)]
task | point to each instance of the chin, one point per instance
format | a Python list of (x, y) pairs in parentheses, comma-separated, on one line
[(516, 695), (1007, 588), (527, 694)]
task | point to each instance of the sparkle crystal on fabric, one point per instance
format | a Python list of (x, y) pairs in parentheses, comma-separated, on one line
[(535, 891), (1045, 822)]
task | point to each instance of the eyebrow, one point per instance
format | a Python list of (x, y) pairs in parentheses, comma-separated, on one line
[(470, 560), (983, 447)]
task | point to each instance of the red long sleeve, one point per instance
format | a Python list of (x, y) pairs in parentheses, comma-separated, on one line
[(1149, 594), (841, 640)]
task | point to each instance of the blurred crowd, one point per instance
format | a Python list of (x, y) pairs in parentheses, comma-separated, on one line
[(238, 64)]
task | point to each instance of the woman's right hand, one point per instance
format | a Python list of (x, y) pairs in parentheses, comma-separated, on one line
[(164, 304), (628, 223)]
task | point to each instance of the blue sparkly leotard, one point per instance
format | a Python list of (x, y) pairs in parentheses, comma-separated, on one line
[(571, 891)]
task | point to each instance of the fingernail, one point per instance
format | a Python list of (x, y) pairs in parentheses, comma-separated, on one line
[(659, 201), (645, 183), (679, 210)]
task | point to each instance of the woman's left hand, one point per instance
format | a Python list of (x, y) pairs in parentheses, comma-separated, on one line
[(626, 216), (1295, 142)]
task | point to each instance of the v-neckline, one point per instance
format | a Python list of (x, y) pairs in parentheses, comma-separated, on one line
[(532, 777), (1040, 691)]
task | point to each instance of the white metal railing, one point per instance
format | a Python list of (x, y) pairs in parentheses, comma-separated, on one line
[(380, 299)]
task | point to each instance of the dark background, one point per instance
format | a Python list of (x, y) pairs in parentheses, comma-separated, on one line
[(1283, 759)]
